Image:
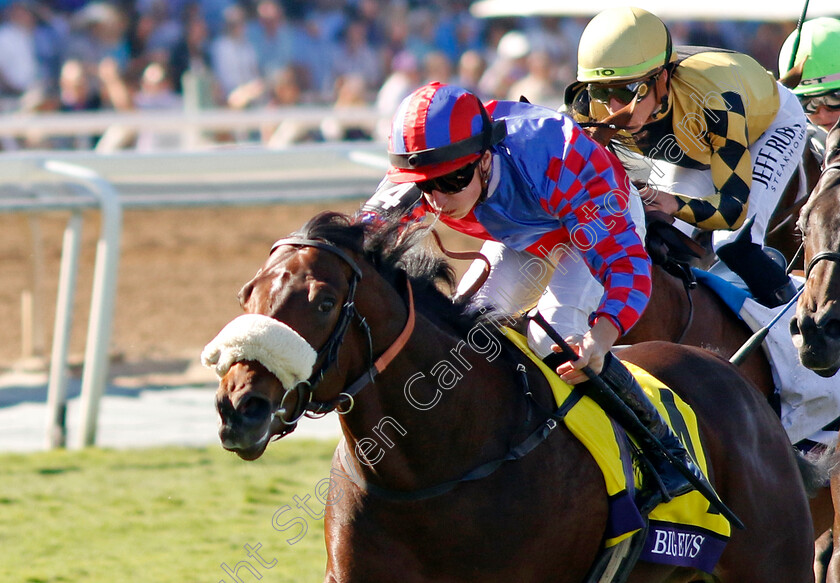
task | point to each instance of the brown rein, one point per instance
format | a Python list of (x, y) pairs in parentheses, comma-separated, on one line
[(466, 256)]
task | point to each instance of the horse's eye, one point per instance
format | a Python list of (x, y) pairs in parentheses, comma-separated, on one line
[(326, 305)]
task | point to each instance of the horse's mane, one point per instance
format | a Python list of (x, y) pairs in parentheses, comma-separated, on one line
[(395, 249)]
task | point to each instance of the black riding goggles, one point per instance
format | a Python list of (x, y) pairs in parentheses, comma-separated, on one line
[(451, 183), (830, 100), (622, 93)]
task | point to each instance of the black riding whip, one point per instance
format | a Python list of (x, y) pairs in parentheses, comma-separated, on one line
[(797, 37), (758, 337)]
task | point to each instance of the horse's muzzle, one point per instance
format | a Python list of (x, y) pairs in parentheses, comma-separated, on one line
[(245, 427), (818, 344)]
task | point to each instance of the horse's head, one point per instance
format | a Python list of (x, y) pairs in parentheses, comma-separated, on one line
[(307, 342), (816, 326), (274, 359)]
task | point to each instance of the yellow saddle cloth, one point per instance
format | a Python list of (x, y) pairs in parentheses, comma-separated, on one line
[(686, 531)]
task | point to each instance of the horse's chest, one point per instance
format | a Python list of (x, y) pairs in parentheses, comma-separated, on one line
[(499, 531)]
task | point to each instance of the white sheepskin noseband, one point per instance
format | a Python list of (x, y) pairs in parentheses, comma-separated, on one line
[(256, 337)]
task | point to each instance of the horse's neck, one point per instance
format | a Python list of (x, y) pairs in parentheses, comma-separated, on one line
[(712, 325), (441, 406), (670, 317), (666, 316)]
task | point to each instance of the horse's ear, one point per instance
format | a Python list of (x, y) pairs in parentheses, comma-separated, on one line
[(652, 216), (793, 77)]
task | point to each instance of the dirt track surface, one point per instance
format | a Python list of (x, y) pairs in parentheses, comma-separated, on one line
[(179, 273)]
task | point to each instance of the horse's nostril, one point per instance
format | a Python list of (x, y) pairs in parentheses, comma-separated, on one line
[(225, 408), (832, 329), (254, 408)]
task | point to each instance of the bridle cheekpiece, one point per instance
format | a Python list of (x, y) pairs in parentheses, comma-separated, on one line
[(328, 354)]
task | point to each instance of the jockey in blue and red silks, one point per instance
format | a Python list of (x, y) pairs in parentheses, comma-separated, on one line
[(562, 225), (554, 208)]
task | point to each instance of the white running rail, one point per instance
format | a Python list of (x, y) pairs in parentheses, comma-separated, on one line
[(38, 182)]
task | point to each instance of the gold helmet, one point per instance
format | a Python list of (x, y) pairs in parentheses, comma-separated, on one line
[(622, 44)]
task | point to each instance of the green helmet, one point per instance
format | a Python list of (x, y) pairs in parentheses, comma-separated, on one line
[(622, 44), (819, 48)]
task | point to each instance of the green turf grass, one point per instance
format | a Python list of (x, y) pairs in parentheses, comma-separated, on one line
[(162, 515)]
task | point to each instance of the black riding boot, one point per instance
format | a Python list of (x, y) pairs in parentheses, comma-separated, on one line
[(671, 482), (618, 393), (767, 281)]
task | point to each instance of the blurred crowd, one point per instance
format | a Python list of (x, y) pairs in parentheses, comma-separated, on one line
[(77, 55)]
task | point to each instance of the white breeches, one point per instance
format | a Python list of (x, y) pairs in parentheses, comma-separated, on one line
[(566, 294)]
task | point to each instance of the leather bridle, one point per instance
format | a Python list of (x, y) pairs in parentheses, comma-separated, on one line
[(328, 354), (305, 389), (823, 255)]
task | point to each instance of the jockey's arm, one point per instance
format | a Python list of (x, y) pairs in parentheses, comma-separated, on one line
[(615, 256), (731, 168)]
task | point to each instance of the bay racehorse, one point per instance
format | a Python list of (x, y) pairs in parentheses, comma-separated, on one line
[(686, 311), (428, 426), (815, 328)]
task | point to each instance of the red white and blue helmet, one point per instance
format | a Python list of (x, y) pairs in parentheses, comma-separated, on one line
[(437, 130)]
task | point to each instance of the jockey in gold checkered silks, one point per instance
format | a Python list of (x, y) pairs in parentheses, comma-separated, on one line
[(720, 137)]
